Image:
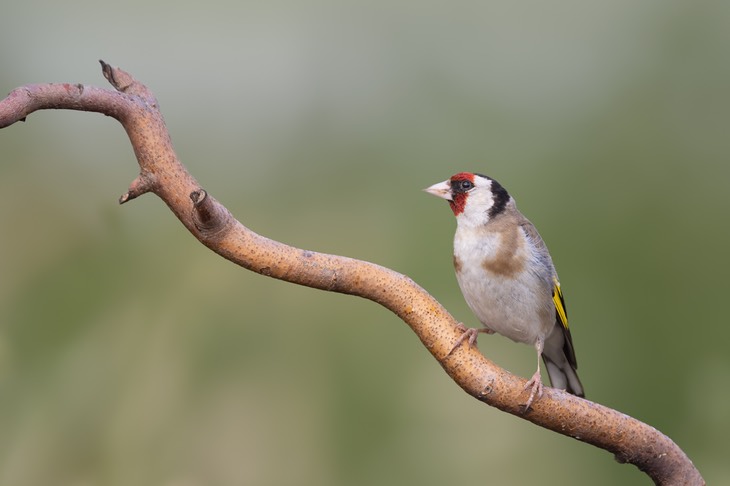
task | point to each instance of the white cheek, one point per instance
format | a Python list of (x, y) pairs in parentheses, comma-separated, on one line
[(476, 210)]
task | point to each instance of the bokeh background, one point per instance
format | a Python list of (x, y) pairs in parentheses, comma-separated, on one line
[(132, 355)]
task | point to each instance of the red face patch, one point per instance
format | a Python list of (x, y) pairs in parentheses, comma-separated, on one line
[(459, 193)]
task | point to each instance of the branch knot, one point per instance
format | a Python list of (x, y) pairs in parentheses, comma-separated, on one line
[(210, 217)]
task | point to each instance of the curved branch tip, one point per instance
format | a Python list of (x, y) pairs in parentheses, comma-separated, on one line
[(119, 79), (141, 184)]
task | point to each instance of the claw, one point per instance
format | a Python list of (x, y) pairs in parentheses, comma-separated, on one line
[(537, 387), (470, 334)]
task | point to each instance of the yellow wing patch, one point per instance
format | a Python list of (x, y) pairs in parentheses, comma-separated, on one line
[(559, 303)]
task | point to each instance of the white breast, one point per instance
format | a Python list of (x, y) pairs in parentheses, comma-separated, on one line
[(504, 282)]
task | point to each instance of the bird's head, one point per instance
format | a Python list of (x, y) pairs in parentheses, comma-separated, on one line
[(473, 197)]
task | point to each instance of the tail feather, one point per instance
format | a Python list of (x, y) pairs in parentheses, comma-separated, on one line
[(564, 377)]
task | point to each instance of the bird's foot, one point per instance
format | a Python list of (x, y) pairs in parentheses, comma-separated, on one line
[(537, 387), (470, 334)]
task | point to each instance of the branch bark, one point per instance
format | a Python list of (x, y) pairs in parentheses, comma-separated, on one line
[(161, 173)]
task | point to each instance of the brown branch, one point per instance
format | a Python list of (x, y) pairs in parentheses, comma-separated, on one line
[(210, 222)]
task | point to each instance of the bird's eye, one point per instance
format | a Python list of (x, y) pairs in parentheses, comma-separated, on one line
[(465, 185)]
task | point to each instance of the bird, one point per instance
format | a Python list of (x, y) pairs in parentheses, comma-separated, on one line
[(508, 279)]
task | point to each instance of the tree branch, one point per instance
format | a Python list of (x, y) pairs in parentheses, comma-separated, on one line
[(134, 106)]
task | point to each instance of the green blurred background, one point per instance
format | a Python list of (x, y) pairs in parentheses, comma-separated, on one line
[(132, 355)]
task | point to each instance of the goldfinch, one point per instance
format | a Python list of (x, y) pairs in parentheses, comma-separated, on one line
[(507, 277)]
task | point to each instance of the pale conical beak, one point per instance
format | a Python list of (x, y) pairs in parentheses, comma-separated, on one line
[(442, 190)]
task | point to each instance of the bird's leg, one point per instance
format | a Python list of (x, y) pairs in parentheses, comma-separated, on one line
[(470, 334), (536, 381)]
